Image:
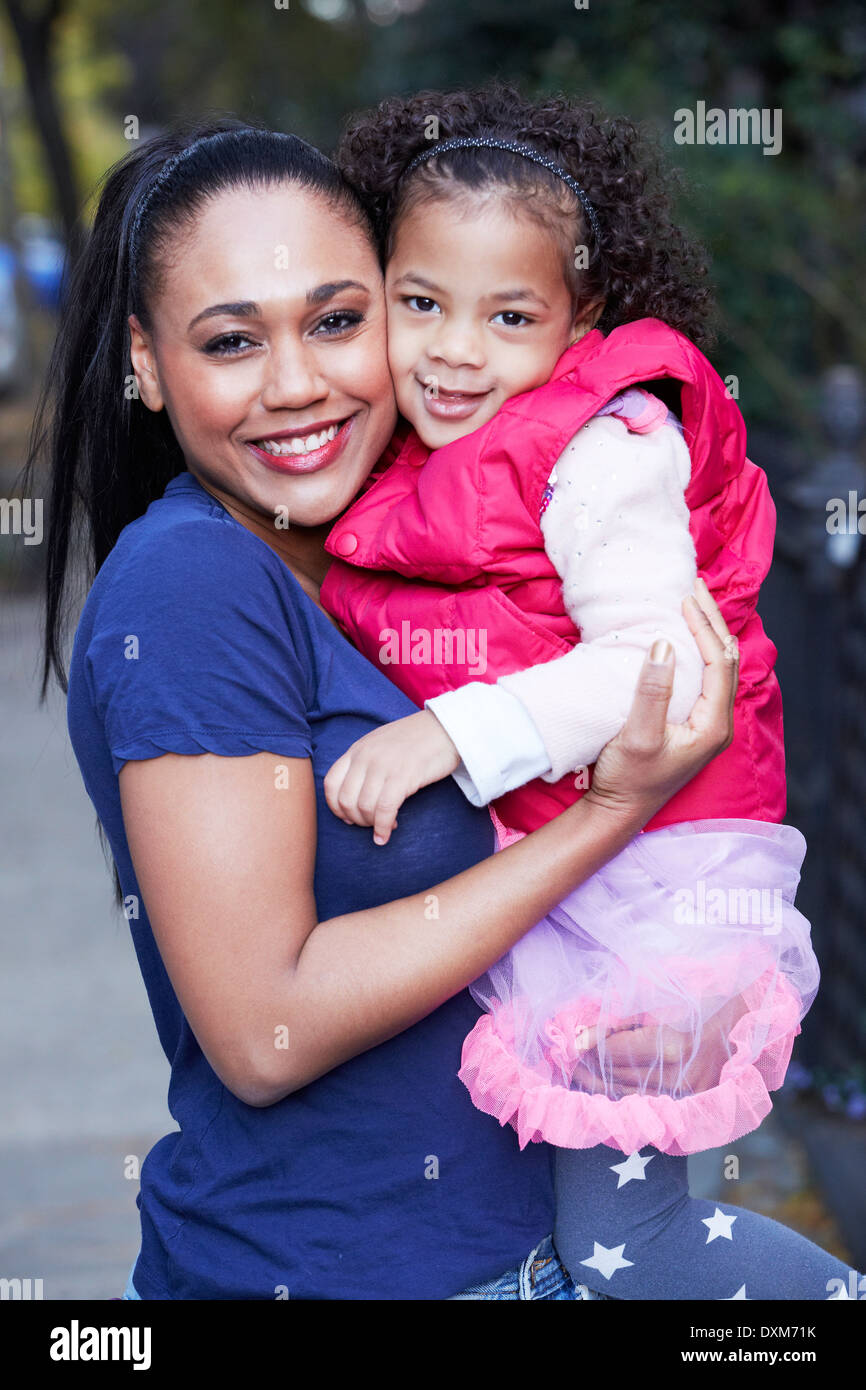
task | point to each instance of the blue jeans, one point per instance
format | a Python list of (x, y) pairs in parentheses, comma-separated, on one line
[(541, 1275)]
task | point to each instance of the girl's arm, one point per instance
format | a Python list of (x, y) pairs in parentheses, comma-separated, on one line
[(225, 865)]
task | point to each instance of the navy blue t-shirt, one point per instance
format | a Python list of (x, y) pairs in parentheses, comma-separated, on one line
[(380, 1179)]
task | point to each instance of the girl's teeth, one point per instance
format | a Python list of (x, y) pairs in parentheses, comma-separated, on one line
[(307, 445)]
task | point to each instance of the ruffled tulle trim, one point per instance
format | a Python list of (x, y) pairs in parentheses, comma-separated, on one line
[(519, 1094)]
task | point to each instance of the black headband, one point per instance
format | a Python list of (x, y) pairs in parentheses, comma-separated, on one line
[(467, 142)]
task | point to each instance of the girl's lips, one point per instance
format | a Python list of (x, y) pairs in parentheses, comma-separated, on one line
[(306, 463), (453, 405)]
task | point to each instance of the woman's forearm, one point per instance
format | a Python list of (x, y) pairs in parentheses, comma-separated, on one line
[(225, 862), (361, 978)]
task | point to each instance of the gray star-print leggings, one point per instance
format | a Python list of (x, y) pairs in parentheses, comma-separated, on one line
[(627, 1227)]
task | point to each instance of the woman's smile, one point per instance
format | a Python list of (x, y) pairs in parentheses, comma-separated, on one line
[(305, 450)]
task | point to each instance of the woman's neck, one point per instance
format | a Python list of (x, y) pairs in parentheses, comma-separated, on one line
[(301, 548)]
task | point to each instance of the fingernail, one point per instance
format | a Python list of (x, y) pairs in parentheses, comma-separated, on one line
[(379, 839), (703, 584), (660, 652)]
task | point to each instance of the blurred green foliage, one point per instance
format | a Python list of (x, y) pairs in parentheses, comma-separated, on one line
[(785, 232)]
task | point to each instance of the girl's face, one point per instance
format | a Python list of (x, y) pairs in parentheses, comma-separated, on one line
[(478, 311), (268, 350)]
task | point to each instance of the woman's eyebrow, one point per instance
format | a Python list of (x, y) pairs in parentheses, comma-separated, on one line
[(247, 308), (332, 287), (243, 309)]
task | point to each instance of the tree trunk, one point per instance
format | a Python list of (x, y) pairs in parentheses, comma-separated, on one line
[(35, 34)]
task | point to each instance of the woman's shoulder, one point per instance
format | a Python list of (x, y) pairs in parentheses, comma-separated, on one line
[(187, 575), (181, 528), (185, 548)]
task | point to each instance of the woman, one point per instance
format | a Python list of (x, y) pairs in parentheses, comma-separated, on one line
[(309, 987)]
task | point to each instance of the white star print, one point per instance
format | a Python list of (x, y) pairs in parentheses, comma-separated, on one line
[(634, 1167), (718, 1225), (607, 1262), (741, 1293)]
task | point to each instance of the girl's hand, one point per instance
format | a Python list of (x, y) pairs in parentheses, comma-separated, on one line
[(650, 760), (370, 782)]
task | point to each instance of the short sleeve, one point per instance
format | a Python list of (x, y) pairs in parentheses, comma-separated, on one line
[(199, 645)]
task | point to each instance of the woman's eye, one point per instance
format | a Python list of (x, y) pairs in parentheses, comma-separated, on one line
[(421, 303), (227, 344), (339, 321), (509, 316)]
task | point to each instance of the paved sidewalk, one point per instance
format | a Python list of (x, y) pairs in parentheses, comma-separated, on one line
[(83, 1079)]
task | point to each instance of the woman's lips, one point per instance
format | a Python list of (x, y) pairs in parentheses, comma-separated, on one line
[(307, 463), (453, 405)]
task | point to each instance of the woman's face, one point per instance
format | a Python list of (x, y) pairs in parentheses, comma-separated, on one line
[(267, 347)]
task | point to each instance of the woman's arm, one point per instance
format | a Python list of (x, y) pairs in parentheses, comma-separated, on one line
[(224, 859)]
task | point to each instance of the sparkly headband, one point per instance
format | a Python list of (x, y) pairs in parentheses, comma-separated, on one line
[(465, 142)]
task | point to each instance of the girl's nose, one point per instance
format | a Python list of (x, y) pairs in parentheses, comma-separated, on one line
[(457, 344)]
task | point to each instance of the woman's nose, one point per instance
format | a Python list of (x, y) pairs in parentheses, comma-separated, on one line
[(292, 376)]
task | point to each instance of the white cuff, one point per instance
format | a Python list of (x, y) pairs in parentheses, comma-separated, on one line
[(499, 745)]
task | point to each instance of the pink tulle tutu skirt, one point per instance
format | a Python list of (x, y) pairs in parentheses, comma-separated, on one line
[(658, 1003)]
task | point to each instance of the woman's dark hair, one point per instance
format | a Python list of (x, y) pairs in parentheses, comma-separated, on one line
[(644, 266), (108, 457)]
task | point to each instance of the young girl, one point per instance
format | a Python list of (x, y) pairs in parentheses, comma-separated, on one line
[(539, 526)]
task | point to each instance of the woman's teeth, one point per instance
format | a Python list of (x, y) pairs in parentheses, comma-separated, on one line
[(300, 445)]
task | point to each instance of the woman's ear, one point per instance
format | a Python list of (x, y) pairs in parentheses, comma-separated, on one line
[(143, 365), (586, 319)]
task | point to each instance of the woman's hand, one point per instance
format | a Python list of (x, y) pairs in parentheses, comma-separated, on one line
[(650, 760), (370, 782), (656, 1059)]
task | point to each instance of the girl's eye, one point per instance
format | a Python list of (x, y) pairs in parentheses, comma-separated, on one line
[(227, 344), (339, 322), (421, 303), (510, 315)]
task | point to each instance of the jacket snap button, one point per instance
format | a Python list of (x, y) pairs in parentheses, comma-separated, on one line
[(347, 544)]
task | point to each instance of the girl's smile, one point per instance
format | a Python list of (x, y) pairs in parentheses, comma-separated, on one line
[(443, 404)]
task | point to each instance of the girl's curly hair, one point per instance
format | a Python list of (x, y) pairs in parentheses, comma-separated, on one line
[(645, 265)]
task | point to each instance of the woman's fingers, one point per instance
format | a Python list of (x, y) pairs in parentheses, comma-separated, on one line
[(644, 730), (708, 606), (651, 1059), (719, 648)]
